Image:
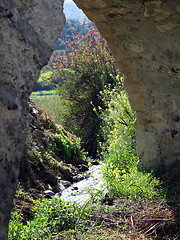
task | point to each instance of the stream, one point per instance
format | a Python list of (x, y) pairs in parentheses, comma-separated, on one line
[(77, 192)]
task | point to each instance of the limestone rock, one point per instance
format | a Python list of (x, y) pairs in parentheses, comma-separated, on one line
[(167, 27), (154, 9), (28, 32)]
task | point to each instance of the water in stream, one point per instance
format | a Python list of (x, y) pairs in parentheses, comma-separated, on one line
[(78, 191)]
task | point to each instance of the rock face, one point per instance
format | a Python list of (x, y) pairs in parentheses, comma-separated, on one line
[(144, 38), (28, 31)]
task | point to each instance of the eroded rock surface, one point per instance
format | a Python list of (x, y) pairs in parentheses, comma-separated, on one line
[(144, 38), (28, 31)]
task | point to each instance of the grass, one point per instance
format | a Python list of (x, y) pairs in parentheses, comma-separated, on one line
[(59, 144), (51, 219), (44, 92), (45, 76), (52, 106), (133, 184), (60, 220)]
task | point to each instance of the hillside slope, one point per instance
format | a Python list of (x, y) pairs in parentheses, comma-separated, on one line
[(71, 11), (52, 155)]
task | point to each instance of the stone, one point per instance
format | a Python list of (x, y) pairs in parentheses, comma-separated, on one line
[(167, 27), (28, 32), (178, 8), (95, 162), (49, 193), (65, 183), (77, 178), (58, 188), (83, 168), (154, 9)]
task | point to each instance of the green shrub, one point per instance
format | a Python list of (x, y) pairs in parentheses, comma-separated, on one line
[(133, 184), (65, 148), (119, 150), (51, 219), (60, 145)]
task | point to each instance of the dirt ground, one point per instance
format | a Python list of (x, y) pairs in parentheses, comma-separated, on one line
[(141, 220)]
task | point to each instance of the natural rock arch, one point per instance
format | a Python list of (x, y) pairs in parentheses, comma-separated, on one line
[(143, 36)]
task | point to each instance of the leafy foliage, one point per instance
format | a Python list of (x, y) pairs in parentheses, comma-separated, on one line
[(51, 219), (93, 67), (49, 80), (60, 143), (119, 150), (118, 127), (71, 28), (64, 147)]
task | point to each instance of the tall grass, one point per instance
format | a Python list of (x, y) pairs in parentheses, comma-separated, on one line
[(53, 106)]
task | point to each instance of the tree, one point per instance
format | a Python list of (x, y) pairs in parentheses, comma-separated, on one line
[(71, 28), (89, 66)]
